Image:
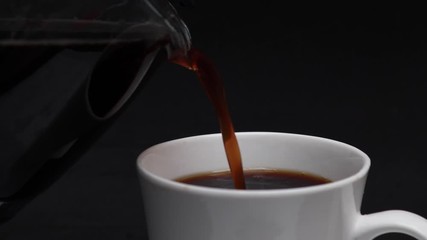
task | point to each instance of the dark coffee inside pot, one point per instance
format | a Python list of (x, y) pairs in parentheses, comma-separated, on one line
[(257, 179)]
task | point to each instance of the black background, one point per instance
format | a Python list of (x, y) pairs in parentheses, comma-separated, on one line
[(356, 74)]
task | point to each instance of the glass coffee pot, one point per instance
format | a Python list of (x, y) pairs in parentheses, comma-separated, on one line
[(67, 69)]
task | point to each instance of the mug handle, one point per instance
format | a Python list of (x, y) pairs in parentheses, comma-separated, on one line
[(394, 221)]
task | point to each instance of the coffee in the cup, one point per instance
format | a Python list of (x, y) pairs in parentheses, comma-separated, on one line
[(256, 179)]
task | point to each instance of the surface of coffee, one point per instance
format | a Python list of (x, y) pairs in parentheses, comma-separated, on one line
[(257, 179)]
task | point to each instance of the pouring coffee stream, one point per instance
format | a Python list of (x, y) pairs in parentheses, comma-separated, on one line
[(211, 81)]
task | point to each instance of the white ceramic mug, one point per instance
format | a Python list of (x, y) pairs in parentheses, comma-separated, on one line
[(177, 211)]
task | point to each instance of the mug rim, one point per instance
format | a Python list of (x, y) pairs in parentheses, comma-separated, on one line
[(201, 190)]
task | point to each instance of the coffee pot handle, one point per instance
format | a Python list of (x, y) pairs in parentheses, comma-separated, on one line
[(394, 221)]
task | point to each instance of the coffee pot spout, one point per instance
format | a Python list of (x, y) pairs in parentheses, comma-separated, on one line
[(180, 37)]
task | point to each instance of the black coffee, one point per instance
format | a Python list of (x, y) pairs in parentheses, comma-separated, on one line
[(257, 179)]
